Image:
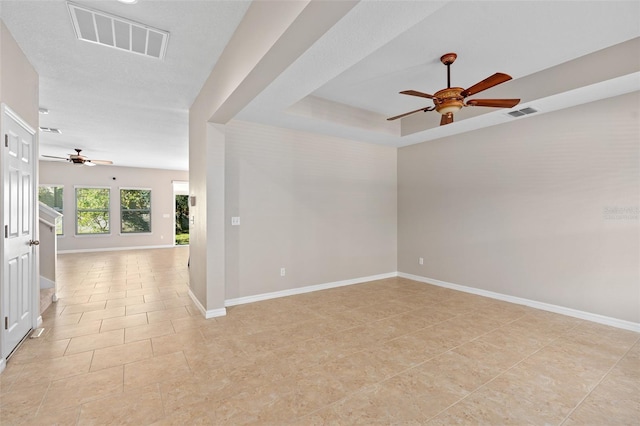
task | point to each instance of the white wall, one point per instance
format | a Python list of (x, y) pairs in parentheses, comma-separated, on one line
[(323, 208), (526, 208), (162, 203)]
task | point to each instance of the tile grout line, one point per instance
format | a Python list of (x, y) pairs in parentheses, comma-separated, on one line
[(502, 372), (364, 388), (604, 376)]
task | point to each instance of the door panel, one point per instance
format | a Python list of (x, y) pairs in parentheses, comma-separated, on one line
[(19, 281), (25, 207), (14, 201)]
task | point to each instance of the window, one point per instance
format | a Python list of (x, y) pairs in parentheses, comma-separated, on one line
[(92, 209), (135, 211), (52, 197)]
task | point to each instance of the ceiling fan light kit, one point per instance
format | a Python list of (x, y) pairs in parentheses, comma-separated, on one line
[(452, 99), (78, 159)]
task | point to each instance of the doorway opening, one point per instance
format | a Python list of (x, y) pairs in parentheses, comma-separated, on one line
[(181, 216), (182, 220)]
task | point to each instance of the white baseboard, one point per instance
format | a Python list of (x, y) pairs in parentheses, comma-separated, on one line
[(3, 365), (211, 313), (46, 283), (117, 249), (39, 321), (601, 319), (307, 289)]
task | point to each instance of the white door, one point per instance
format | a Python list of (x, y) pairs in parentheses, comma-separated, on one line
[(19, 248)]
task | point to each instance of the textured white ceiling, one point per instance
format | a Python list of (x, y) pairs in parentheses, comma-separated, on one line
[(363, 64), (117, 105), (134, 110)]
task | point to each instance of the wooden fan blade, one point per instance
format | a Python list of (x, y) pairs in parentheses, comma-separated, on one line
[(99, 162), (485, 84), (416, 93), (408, 113), (446, 118), (89, 163), (496, 103), (59, 158)]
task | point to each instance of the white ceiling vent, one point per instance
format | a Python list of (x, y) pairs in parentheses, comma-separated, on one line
[(50, 130), (521, 112), (120, 33)]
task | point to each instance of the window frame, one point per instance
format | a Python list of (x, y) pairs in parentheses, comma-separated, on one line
[(123, 210), (78, 211)]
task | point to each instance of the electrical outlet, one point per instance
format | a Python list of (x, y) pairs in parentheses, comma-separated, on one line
[(235, 221), (421, 261), (282, 272)]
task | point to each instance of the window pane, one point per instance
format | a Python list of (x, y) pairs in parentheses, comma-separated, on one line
[(133, 221), (135, 210), (52, 197), (92, 206)]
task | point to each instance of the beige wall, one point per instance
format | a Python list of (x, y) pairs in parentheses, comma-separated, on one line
[(18, 79), (525, 209), (323, 208), (197, 188), (206, 232), (162, 203)]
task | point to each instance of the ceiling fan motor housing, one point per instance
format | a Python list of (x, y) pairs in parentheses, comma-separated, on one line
[(448, 100)]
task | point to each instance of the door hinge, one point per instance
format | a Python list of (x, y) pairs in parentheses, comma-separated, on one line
[(6, 140), (6, 323), (6, 231)]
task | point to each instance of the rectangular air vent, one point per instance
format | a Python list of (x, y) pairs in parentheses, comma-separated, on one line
[(521, 112), (119, 33), (50, 130)]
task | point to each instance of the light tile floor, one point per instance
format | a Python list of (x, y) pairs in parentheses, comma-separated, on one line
[(125, 345)]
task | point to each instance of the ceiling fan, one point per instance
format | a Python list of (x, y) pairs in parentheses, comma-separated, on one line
[(450, 100), (79, 159)]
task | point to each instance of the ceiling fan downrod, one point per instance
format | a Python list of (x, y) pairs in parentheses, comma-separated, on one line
[(448, 59)]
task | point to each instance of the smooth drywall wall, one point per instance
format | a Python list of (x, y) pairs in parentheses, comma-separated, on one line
[(198, 152), (162, 203), (543, 208), (323, 208), (18, 79)]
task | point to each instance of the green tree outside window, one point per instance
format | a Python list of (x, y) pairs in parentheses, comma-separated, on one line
[(135, 211), (182, 219), (92, 208)]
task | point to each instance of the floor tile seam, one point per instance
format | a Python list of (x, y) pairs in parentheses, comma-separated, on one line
[(44, 396), (370, 385), (338, 401), (604, 376), (410, 313), (502, 373), (122, 328), (52, 339), (50, 380), (91, 401), (163, 402), (11, 384)]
